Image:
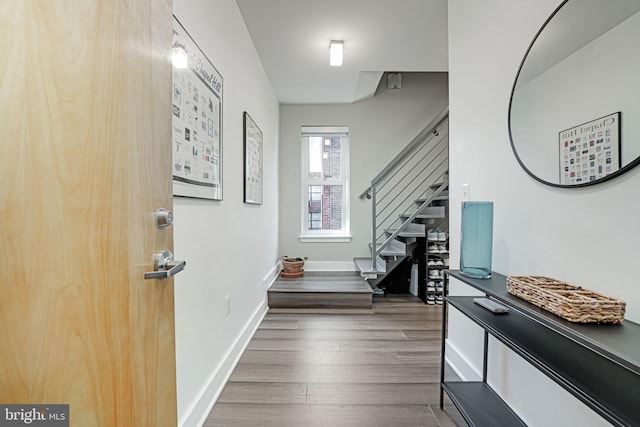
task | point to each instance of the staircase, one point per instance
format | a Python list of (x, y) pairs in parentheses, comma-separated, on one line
[(407, 197)]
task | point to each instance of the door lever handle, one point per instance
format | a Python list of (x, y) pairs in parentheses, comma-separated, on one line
[(174, 268), (164, 266)]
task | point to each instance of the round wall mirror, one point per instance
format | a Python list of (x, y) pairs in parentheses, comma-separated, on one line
[(574, 116)]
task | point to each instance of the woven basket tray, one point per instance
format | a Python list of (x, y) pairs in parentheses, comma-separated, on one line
[(567, 301)]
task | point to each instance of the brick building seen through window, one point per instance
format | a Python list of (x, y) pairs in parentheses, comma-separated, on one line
[(325, 184)]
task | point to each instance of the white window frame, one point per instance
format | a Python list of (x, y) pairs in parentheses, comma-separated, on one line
[(328, 236)]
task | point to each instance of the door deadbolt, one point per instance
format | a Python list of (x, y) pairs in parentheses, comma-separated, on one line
[(164, 218)]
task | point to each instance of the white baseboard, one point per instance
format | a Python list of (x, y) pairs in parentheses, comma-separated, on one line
[(329, 266), (271, 277), (199, 411), (459, 364)]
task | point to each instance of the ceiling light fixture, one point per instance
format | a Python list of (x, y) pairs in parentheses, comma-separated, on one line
[(336, 49)]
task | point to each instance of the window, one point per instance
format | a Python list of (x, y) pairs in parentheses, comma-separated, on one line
[(325, 184)]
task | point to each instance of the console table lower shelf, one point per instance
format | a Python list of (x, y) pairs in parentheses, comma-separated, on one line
[(479, 405)]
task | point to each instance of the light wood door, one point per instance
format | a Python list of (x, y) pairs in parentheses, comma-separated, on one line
[(85, 138)]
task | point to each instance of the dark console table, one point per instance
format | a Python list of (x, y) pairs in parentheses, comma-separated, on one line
[(599, 364)]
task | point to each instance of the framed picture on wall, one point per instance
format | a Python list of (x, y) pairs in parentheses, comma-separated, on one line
[(590, 151), (197, 120), (253, 179)]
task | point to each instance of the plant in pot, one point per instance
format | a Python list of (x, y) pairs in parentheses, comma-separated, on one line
[(292, 267)]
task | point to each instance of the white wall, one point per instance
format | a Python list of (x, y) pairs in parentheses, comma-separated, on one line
[(230, 247), (586, 236), (379, 128)]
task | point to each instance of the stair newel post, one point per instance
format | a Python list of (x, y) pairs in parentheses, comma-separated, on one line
[(374, 238)]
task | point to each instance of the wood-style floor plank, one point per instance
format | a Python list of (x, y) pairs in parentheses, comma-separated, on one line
[(342, 345), (332, 367), (294, 345), (382, 325), (272, 323), (264, 393), (380, 345), (419, 358), (310, 310), (340, 373), (333, 334), (373, 394), (324, 285), (225, 414), (314, 358), (422, 334)]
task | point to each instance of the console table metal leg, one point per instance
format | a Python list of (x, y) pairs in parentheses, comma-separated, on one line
[(443, 339), (484, 357)]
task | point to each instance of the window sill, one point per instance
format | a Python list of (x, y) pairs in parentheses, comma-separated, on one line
[(325, 239)]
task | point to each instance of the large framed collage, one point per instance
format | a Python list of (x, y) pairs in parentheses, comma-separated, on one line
[(197, 120)]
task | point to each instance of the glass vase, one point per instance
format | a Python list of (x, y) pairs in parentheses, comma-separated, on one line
[(476, 239)]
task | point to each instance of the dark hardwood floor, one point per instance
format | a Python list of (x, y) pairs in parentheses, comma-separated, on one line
[(343, 367)]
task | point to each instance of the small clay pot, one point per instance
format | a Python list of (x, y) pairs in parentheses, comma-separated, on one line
[(292, 265)]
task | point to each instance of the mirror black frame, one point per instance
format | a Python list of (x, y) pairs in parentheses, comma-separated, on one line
[(615, 174)]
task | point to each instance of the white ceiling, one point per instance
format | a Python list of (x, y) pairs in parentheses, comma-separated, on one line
[(292, 38)]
